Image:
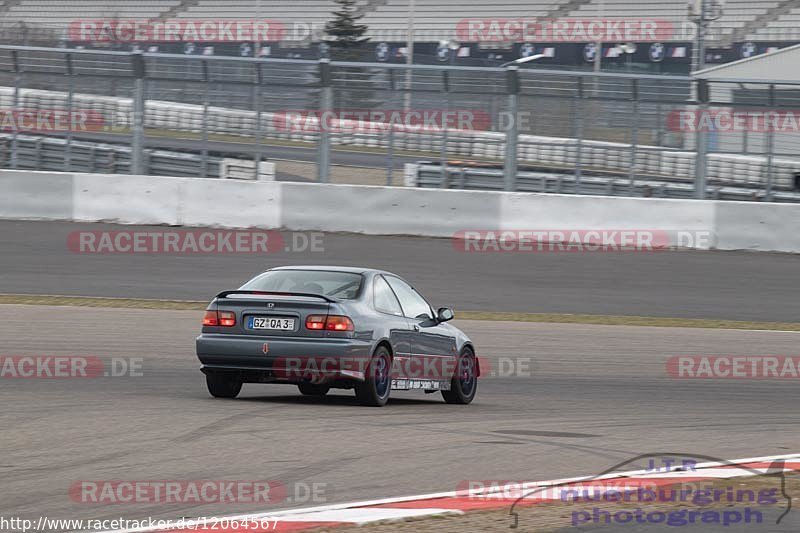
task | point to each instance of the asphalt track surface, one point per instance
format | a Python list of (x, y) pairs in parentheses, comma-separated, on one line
[(35, 259), (589, 397)]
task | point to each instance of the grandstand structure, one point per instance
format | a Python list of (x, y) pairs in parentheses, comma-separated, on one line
[(736, 15), (784, 25), (58, 14), (434, 20), (437, 19), (443, 30)]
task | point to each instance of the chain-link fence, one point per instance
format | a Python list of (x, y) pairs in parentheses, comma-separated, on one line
[(510, 128)]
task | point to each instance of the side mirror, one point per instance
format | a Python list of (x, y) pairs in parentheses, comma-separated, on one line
[(444, 314)]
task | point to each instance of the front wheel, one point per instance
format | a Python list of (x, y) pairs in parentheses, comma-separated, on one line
[(465, 381), (374, 391), (222, 385)]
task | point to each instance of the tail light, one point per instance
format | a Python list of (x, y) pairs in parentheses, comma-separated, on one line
[(226, 319), (211, 319), (329, 323), (315, 322), (339, 323)]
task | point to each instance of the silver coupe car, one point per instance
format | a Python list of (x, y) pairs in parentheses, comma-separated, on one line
[(324, 327)]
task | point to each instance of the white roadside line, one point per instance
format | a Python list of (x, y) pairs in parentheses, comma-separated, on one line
[(325, 511)]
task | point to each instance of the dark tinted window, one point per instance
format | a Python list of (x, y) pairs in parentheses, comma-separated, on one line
[(343, 285), (384, 299), (414, 305)]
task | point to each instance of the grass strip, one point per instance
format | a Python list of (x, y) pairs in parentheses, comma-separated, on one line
[(554, 318)]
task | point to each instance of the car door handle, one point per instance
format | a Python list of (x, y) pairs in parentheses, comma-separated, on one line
[(416, 327)]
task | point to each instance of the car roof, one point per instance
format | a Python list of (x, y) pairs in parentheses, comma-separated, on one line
[(334, 268)]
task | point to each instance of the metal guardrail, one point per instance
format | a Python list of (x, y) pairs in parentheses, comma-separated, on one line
[(551, 153), (48, 153), (430, 175)]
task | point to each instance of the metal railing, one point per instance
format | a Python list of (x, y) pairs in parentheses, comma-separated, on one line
[(329, 117), (36, 152), (430, 175)]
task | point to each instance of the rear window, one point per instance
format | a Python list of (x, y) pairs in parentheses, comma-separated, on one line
[(344, 285)]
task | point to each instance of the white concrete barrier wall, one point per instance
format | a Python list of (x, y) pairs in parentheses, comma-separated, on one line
[(231, 204), (131, 200), (757, 226), (387, 210), (383, 210), (523, 211), (35, 195), (175, 201)]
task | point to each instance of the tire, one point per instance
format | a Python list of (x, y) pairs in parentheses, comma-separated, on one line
[(377, 386), (311, 389), (464, 384), (222, 385)]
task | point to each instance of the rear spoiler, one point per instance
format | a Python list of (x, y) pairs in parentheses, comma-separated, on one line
[(225, 294)]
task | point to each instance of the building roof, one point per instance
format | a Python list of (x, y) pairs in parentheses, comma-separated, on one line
[(779, 66)]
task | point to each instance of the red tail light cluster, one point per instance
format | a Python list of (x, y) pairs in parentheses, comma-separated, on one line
[(339, 323), (315, 322), (225, 319), (329, 323)]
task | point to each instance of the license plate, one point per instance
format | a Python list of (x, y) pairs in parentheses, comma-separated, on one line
[(266, 322)]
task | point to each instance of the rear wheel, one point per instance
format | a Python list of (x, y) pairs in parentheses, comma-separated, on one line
[(375, 389), (222, 385), (465, 382), (311, 389)]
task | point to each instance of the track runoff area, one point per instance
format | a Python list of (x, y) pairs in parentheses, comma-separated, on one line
[(574, 406), (670, 491)]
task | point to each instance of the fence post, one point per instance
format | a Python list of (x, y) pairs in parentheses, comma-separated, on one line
[(579, 136), (445, 173), (390, 148), (139, 97), (770, 146), (745, 142), (659, 125), (206, 103), (37, 155), (634, 134), (325, 104), (259, 131), (512, 134), (15, 129), (70, 98), (701, 142)]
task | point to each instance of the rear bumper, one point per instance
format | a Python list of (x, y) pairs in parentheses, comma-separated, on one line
[(284, 359)]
